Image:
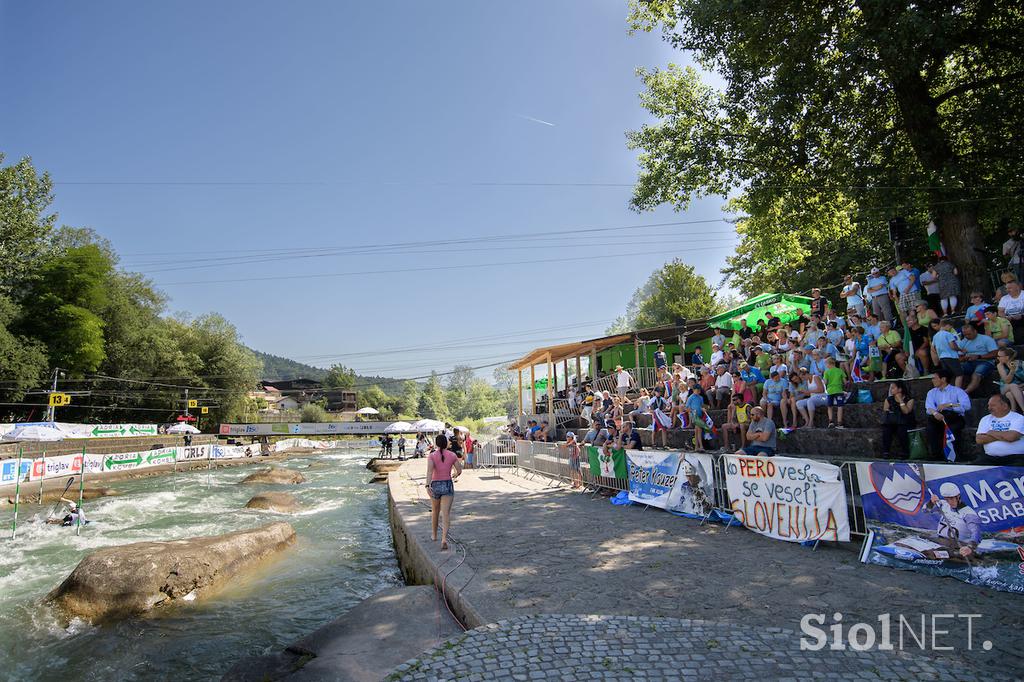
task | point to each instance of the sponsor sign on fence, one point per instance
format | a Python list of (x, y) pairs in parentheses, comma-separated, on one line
[(9, 469), (317, 429), (52, 467), (192, 452), (787, 498), (77, 431), (961, 521), (677, 482)]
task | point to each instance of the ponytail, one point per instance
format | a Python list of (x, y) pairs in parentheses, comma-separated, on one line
[(441, 441)]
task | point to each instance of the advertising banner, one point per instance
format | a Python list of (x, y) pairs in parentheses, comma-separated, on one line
[(607, 465), (9, 469), (193, 452), (233, 451), (75, 431), (122, 461), (652, 477), (786, 498), (966, 522), (311, 429), (52, 467)]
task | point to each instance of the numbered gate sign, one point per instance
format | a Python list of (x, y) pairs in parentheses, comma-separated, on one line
[(59, 399), (193, 403)]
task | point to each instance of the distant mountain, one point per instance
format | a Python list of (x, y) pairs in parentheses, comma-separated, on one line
[(276, 368)]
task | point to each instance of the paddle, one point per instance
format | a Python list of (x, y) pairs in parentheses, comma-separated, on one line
[(54, 510)]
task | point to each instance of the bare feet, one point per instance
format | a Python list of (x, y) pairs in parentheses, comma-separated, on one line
[(444, 546)]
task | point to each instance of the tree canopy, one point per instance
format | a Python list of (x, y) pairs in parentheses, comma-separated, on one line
[(833, 119), (671, 292)]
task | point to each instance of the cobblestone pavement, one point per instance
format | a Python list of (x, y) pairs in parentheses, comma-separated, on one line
[(571, 648), (532, 550)]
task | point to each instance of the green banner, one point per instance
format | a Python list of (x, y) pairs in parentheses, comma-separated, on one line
[(607, 466)]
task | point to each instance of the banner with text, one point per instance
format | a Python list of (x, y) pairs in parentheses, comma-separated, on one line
[(786, 498), (9, 469), (966, 522), (77, 431), (53, 467), (652, 477), (311, 429)]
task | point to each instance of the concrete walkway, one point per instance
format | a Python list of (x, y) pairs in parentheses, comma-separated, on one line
[(532, 550)]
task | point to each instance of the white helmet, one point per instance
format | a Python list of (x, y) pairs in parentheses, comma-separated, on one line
[(72, 506), (949, 490), (688, 469)]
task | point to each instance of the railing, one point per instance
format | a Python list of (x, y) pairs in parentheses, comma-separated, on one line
[(551, 460)]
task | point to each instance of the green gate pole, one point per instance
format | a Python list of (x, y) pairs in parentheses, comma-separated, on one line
[(42, 478), (81, 493), (17, 495)]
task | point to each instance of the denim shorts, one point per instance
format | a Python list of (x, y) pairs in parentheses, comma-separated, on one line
[(439, 489), (980, 367)]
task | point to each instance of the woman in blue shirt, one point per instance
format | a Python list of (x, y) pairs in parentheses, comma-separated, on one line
[(695, 406)]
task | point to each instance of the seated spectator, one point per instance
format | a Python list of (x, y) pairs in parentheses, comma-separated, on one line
[(590, 437), (753, 378), (775, 397), (897, 418), (999, 328), (817, 364), (778, 365), (697, 360), (1010, 372), (642, 403), (761, 359), (904, 367), (629, 438), (532, 427), (707, 378), (740, 388), (760, 435), (945, 351), (1011, 307), (920, 344), (716, 354), (810, 395), (999, 432), (815, 332), (889, 343), (1004, 289), (977, 357), (946, 405), (722, 391), (737, 421), (924, 314), (835, 336), (872, 326), (543, 434), (835, 391), (976, 309)]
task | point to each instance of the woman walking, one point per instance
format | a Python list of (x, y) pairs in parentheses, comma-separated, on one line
[(440, 463)]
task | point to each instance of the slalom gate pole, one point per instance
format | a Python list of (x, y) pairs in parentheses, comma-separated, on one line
[(17, 495), (81, 494), (42, 478)]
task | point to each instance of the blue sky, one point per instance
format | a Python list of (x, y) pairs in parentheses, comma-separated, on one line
[(208, 141)]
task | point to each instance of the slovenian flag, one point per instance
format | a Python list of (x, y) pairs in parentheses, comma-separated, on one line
[(713, 430), (947, 445), (662, 422), (935, 244), (855, 373), (684, 420)]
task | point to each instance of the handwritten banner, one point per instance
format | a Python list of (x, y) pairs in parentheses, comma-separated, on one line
[(944, 519), (785, 498)]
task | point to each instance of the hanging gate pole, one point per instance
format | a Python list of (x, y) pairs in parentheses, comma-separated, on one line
[(17, 495)]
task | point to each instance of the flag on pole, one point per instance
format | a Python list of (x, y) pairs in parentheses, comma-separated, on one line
[(855, 373), (935, 244), (947, 445)]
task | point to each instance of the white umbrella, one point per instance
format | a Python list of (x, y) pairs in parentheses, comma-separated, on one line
[(36, 432), (460, 428), (367, 410), (182, 427), (399, 427), (428, 426)]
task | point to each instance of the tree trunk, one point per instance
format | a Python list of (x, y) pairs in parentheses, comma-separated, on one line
[(959, 232)]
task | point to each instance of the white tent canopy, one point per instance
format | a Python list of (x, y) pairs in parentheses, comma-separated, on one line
[(399, 427), (182, 428), (35, 432), (428, 426), (367, 410)]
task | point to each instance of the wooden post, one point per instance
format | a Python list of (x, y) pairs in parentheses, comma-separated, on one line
[(579, 375), (551, 393), (533, 390), (636, 353), (565, 373), (593, 363), (519, 408)]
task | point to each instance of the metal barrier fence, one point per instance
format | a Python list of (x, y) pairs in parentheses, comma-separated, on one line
[(551, 460)]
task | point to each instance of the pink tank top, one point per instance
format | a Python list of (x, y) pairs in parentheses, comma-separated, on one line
[(442, 470)]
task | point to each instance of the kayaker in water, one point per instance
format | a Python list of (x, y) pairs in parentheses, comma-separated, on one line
[(73, 514)]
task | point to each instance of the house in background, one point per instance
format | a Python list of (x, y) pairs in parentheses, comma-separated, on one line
[(294, 393)]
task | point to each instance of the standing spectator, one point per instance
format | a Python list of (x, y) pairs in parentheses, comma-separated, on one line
[(1013, 252), (737, 420), (835, 380), (949, 284), (760, 435), (945, 352), (1000, 433), (695, 406), (897, 418), (976, 308), (819, 304), (1011, 377), (946, 405), (572, 449), (999, 328), (910, 288), (930, 287), (623, 381), (852, 293), (745, 333), (1011, 306), (717, 339), (723, 388), (660, 359), (877, 290), (977, 353)]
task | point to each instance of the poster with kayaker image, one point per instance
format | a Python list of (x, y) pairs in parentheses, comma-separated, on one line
[(965, 522)]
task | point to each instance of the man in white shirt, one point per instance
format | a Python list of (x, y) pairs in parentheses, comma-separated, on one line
[(946, 405), (1000, 433), (1011, 306), (623, 380), (723, 388), (716, 354), (851, 292)]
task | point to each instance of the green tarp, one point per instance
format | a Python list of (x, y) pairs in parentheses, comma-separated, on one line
[(786, 307)]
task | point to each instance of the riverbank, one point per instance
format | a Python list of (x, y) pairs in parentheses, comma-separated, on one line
[(524, 550)]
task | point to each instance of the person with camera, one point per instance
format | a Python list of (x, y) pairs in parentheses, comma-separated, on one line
[(897, 418)]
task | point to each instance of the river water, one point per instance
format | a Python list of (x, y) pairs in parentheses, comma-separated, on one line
[(343, 554)]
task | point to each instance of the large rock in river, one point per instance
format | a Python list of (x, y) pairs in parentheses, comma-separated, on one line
[(275, 475), (278, 502), (117, 582)]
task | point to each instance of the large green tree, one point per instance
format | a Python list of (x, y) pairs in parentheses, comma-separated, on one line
[(25, 221), (340, 376), (673, 291), (868, 109), (432, 403)]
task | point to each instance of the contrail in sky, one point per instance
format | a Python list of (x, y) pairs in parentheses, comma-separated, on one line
[(535, 120)]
